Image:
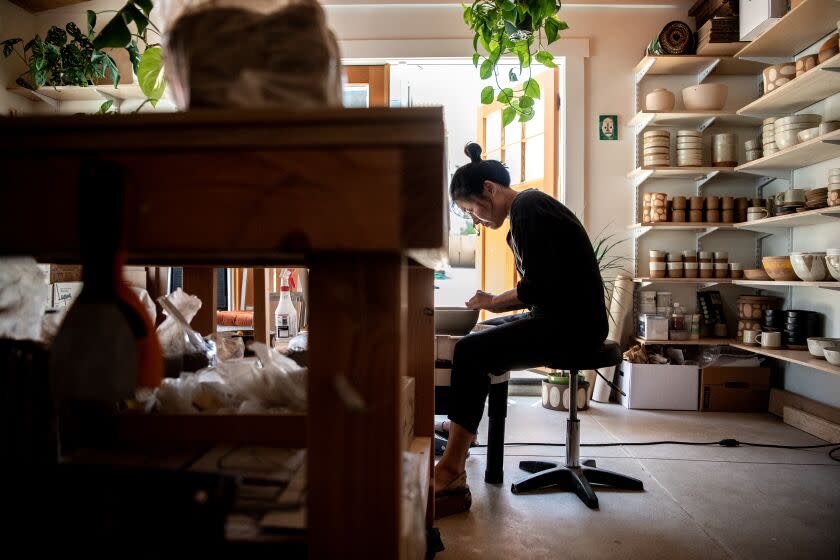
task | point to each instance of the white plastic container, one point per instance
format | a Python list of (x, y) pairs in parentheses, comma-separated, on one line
[(285, 315)]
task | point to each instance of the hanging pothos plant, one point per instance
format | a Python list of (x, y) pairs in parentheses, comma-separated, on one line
[(117, 34), (518, 27)]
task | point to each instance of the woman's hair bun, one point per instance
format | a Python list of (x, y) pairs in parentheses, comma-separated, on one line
[(473, 151)]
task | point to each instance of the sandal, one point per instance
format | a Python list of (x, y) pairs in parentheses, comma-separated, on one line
[(455, 498)]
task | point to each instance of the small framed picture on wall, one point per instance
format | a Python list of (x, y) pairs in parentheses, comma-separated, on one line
[(608, 127)]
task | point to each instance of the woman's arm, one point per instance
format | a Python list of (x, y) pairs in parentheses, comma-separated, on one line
[(506, 301)]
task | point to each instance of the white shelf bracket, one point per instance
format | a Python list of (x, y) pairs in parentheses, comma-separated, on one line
[(54, 103), (761, 183), (646, 120), (644, 70), (638, 232), (704, 180), (641, 178), (708, 231), (706, 124), (108, 97), (707, 70)]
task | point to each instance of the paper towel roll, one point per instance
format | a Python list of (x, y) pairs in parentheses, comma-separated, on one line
[(621, 304)]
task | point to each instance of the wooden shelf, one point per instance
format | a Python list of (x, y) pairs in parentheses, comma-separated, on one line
[(796, 283), (708, 227), (699, 120), (700, 66), (60, 93), (799, 219), (701, 281), (34, 6), (801, 357), (817, 84), (800, 28), (699, 174), (780, 164), (695, 342)]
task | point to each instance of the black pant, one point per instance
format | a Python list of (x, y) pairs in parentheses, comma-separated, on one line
[(515, 342)]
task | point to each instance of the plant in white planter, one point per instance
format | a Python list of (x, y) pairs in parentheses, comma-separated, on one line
[(555, 392)]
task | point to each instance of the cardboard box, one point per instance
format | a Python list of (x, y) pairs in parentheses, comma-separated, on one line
[(659, 387), (64, 293), (62, 272), (734, 389), (407, 410)]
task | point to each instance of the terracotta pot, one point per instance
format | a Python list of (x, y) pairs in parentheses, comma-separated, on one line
[(705, 97)]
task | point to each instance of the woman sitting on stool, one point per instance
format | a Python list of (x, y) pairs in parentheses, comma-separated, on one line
[(560, 283)]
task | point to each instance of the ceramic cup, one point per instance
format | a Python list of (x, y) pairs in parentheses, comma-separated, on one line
[(749, 337), (757, 213), (769, 339)]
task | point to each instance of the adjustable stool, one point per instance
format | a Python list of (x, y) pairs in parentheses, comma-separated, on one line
[(573, 474)]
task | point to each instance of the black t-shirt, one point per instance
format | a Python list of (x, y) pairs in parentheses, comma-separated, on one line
[(559, 275)]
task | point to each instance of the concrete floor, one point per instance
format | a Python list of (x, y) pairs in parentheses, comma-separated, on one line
[(699, 502)]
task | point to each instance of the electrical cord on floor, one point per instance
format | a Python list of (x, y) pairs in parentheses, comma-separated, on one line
[(728, 442)]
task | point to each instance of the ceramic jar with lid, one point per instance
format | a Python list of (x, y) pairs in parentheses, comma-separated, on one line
[(725, 150), (660, 99)]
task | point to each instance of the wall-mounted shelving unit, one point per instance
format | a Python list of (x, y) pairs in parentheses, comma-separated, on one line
[(689, 342), (781, 283), (800, 28), (702, 282), (698, 66), (54, 96), (697, 227), (808, 218)]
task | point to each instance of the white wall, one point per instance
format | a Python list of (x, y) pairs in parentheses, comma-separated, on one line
[(14, 22)]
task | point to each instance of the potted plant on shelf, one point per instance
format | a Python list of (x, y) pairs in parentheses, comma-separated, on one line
[(68, 57), (523, 28)]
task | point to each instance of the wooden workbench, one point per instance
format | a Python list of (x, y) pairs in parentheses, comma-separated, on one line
[(347, 193)]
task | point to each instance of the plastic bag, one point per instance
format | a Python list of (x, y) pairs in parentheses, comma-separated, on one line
[(183, 348), (228, 346), (23, 298), (265, 53), (298, 349), (275, 381), (147, 301)]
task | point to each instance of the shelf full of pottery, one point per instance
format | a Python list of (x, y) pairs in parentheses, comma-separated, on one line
[(656, 149), (702, 106), (710, 210), (693, 264)]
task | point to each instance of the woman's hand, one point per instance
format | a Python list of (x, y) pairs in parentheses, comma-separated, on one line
[(481, 300)]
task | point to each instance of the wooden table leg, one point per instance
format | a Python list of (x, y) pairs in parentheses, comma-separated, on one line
[(262, 306), (201, 282), (421, 361), (357, 356)]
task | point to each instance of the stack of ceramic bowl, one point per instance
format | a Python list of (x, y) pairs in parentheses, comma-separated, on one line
[(816, 198), (809, 267), (725, 150), (689, 148), (754, 150), (657, 148), (832, 263), (786, 130), (768, 136), (834, 187)]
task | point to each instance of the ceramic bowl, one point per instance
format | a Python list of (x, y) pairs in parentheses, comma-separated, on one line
[(808, 133), (832, 264), (660, 100), (832, 355), (829, 126), (756, 274), (455, 321), (705, 97), (817, 345), (803, 118), (779, 268), (786, 139), (809, 267)]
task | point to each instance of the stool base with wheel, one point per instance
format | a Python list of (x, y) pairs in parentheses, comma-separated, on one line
[(575, 475)]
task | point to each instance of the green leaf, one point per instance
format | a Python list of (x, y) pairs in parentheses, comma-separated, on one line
[(523, 53), (111, 66), (133, 55), (145, 5), (526, 102), (475, 43), (508, 115), (532, 88), (115, 34), (561, 25), (56, 36), (527, 114), (133, 14), (546, 59), (505, 96), (40, 63), (150, 75), (9, 46), (487, 95), (75, 32), (91, 21), (105, 106), (486, 69), (512, 75), (40, 78)]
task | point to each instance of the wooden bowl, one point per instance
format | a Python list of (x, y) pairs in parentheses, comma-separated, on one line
[(756, 274), (779, 268)]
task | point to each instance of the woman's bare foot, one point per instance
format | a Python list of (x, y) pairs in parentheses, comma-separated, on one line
[(444, 476)]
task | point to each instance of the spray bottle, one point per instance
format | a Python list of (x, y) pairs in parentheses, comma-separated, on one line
[(285, 316)]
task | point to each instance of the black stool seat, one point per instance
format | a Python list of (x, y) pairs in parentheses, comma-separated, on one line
[(575, 475), (606, 355)]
